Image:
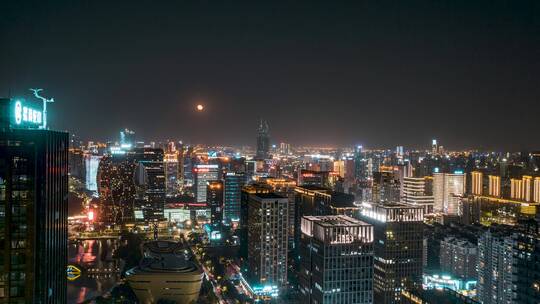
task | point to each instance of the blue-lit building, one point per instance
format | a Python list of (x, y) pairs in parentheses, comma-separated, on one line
[(232, 196)]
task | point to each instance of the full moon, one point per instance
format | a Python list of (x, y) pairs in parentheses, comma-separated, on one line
[(200, 107)]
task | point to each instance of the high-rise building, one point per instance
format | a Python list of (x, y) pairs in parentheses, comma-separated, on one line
[(263, 141), (336, 260), (233, 182), (150, 179), (33, 206), (172, 171), (398, 234), (477, 183), (116, 187), (247, 191), (459, 257), (434, 148), (202, 174), (214, 200), (494, 185), (268, 222), (447, 189), (92, 165), (359, 164), (495, 268), (414, 192), (313, 200)]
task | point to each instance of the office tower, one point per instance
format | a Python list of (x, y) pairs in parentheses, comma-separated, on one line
[(495, 267), (33, 206), (150, 177), (434, 147), (172, 171), (477, 183), (386, 185), (268, 222), (263, 141), (76, 164), (202, 174), (336, 260), (459, 257), (313, 200), (313, 178), (116, 187), (398, 247), (91, 169), (127, 137), (359, 164), (214, 200), (447, 189), (414, 192), (233, 182)]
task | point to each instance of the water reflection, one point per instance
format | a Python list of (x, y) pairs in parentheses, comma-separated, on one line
[(99, 269)]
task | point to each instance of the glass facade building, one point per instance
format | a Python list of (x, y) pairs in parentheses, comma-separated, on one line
[(33, 214), (232, 196), (336, 260)]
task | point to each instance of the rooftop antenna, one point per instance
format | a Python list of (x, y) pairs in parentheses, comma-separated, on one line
[(45, 101)]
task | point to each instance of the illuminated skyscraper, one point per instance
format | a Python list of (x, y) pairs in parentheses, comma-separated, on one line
[(414, 192), (477, 181), (232, 198), (263, 141), (494, 185), (91, 165), (150, 179), (447, 188), (172, 171), (268, 220), (202, 174), (336, 260), (214, 200), (398, 234), (116, 186), (434, 148), (33, 206)]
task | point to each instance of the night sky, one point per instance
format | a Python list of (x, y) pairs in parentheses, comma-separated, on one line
[(380, 73)]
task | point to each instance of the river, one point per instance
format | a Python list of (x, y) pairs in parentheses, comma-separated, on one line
[(99, 269)]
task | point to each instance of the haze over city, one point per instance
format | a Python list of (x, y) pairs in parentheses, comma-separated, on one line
[(372, 73)]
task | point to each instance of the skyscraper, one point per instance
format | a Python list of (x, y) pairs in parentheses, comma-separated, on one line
[(116, 186), (151, 181), (263, 141), (268, 220), (336, 260), (202, 174), (398, 231), (33, 206), (233, 183), (447, 188), (214, 200), (172, 171), (414, 192)]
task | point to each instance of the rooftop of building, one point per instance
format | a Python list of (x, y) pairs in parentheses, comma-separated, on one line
[(336, 221), (313, 188), (270, 195)]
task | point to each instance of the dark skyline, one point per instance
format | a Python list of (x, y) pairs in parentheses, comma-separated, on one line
[(380, 73)]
